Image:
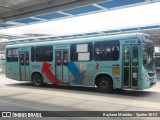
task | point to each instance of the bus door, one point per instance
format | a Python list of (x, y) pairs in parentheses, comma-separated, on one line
[(61, 59), (130, 66), (24, 65)]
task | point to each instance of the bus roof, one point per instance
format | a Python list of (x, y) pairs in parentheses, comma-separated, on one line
[(80, 40)]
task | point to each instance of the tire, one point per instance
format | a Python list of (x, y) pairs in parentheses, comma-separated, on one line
[(105, 84), (37, 80)]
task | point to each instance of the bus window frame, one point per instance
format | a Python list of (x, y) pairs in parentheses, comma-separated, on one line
[(38, 59), (13, 57), (75, 53), (111, 51)]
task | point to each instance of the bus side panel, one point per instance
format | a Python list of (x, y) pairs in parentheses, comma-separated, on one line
[(12, 64), (116, 74), (80, 73), (110, 68), (76, 76), (37, 67), (12, 70), (83, 73)]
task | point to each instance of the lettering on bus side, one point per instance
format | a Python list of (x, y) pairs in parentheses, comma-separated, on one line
[(23, 49), (130, 41), (36, 66)]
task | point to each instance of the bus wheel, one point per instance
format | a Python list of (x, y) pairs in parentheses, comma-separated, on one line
[(37, 80), (105, 84)]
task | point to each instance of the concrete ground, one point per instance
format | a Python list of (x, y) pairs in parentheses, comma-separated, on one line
[(22, 96)]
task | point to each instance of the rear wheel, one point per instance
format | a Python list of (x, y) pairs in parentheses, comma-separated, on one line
[(37, 80), (105, 84)]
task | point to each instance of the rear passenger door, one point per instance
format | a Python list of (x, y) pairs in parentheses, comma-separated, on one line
[(61, 59), (24, 65)]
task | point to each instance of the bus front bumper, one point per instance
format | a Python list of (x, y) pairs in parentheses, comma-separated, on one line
[(148, 83)]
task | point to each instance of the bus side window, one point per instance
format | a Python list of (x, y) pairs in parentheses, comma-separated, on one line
[(27, 59), (51, 54), (106, 51), (22, 59), (44, 53), (97, 49), (58, 58), (65, 57), (90, 50), (135, 56), (12, 55), (126, 56), (78, 51), (73, 55), (115, 53), (33, 55)]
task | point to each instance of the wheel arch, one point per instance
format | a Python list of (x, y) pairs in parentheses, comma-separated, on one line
[(100, 75)]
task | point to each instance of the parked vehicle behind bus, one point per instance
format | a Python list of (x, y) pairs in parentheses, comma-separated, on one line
[(157, 57), (106, 62)]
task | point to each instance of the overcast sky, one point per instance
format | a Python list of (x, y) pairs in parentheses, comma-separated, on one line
[(122, 18)]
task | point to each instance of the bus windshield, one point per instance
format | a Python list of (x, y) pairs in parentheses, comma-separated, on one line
[(148, 56)]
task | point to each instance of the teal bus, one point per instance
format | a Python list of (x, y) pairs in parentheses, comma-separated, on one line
[(123, 61)]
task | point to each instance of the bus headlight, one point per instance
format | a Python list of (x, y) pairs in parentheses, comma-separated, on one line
[(145, 77)]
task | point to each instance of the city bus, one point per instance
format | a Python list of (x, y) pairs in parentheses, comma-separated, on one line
[(122, 61)]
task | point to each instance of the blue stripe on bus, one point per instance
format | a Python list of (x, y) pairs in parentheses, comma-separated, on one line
[(75, 72)]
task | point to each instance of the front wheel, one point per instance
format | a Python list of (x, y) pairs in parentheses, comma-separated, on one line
[(37, 80), (104, 84)]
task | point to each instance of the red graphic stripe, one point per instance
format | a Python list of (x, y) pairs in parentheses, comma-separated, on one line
[(46, 69)]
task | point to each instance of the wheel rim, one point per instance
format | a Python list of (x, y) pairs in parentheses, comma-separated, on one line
[(104, 84), (38, 80)]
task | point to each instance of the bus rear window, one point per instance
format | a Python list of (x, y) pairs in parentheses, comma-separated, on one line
[(12, 55)]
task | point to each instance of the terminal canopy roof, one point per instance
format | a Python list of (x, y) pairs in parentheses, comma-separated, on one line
[(23, 12), (15, 13)]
